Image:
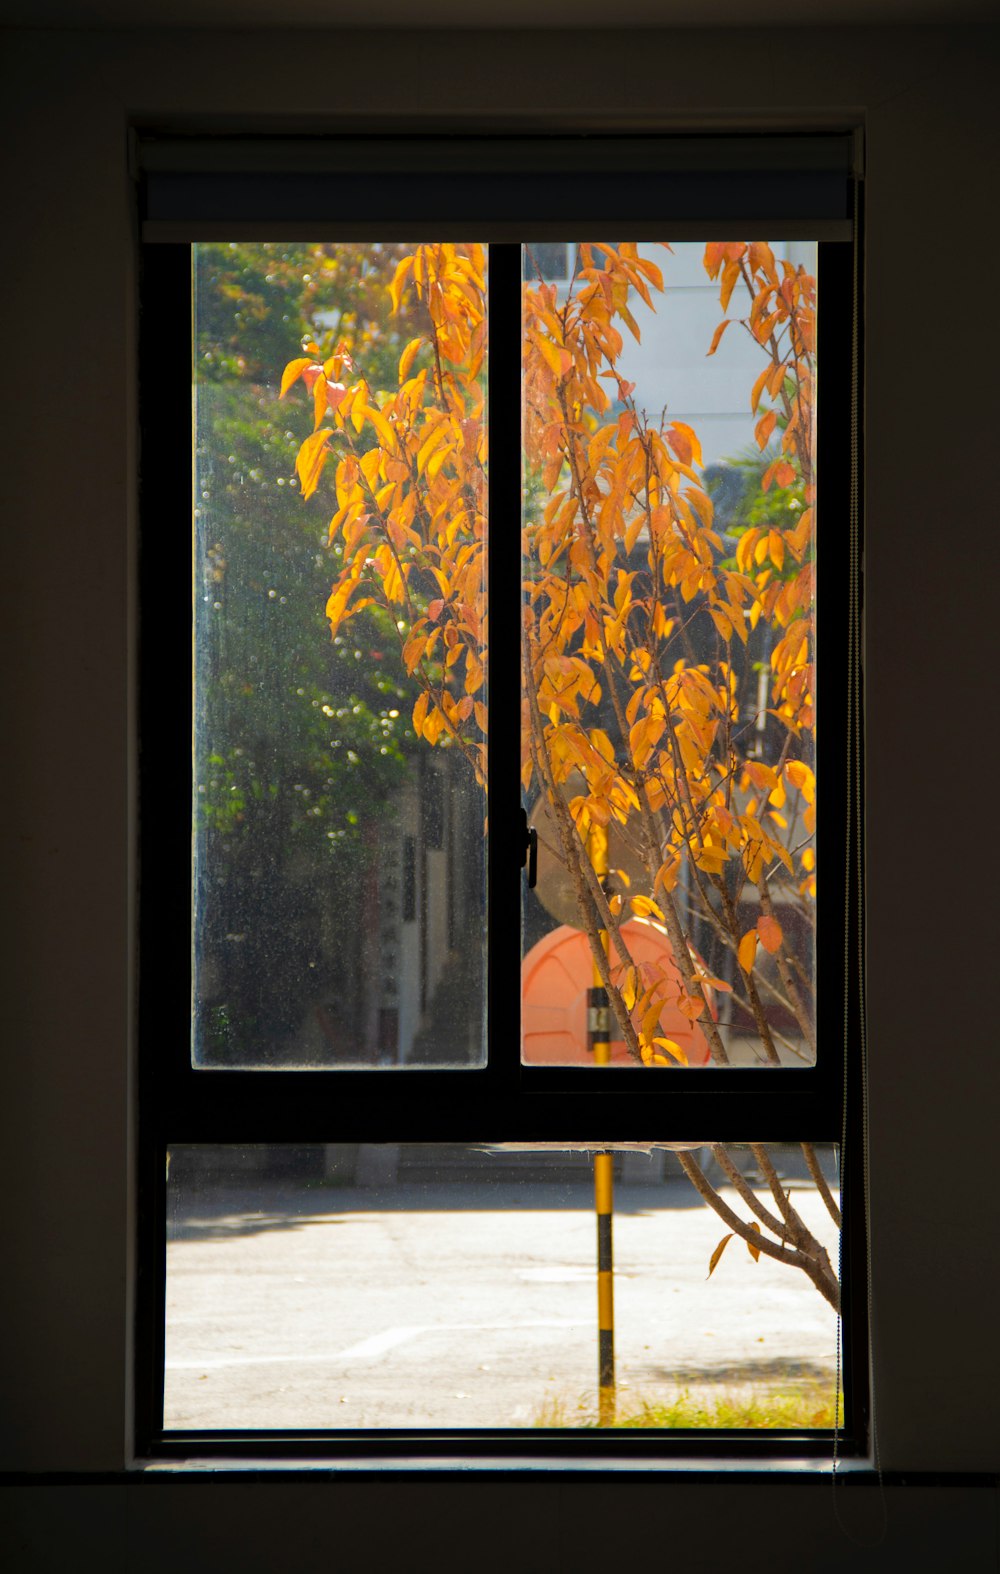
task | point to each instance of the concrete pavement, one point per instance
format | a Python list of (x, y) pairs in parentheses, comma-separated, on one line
[(464, 1305)]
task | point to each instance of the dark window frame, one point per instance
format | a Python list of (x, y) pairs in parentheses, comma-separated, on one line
[(504, 1100)]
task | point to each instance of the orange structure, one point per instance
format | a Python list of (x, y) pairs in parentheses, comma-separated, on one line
[(556, 975)]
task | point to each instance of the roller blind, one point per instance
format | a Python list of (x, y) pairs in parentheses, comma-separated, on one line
[(249, 187)]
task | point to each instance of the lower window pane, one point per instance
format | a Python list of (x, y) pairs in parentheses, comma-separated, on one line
[(352, 1287)]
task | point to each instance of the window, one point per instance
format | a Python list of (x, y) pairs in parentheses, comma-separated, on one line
[(360, 916)]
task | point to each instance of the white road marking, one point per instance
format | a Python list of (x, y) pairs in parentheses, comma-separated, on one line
[(378, 1342), (366, 1349)]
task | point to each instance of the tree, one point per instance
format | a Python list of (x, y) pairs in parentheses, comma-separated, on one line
[(667, 668)]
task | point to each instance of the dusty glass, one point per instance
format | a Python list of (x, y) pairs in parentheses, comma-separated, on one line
[(339, 829)]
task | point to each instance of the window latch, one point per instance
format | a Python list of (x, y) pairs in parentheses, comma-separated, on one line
[(529, 850)]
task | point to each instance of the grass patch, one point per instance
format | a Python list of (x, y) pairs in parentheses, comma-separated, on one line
[(767, 1409)]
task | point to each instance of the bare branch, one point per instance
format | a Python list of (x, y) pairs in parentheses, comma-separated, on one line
[(820, 1181)]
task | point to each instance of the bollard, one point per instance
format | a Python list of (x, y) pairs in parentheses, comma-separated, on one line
[(599, 1037), (598, 1005), (604, 1201)]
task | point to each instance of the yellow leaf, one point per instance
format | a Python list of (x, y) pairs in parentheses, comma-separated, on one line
[(293, 371), (753, 861), (801, 776), (672, 1049), (413, 650), (403, 271), (407, 358), (419, 712), (760, 774), (437, 435), (770, 933), (312, 456), (632, 532), (319, 400), (751, 1248), (747, 950), (434, 724), (381, 426), (336, 606), (712, 859), (645, 907), (714, 1262), (693, 443)]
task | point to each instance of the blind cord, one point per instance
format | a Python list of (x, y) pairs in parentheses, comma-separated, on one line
[(854, 893)]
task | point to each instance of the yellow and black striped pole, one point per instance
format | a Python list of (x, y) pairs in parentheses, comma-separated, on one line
[(604, 1200), (599, 1043), (598, 1005)]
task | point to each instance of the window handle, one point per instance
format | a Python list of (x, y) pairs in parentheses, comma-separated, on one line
[(529, 850)]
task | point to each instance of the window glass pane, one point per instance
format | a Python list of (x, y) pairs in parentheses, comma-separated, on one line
[(456, 1286), (339, 591), (668, 743)]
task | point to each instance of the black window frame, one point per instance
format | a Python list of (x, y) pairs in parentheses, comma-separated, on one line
[(503, 1101)]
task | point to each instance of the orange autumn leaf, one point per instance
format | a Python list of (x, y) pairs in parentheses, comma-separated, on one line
[(714, 1259), (747, 950), (717, 335), (311, 459), (293, 371), (673, 1049), (770, 933)]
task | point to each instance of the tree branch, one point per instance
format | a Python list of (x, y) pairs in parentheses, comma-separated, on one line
[(820, 1181)]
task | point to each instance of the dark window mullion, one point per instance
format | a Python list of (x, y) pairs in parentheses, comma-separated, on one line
[(504, 601)]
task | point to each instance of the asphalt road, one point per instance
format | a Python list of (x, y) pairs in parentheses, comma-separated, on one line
[(461, 1305)]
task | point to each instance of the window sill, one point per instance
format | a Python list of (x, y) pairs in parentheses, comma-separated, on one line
[(539, 1465)]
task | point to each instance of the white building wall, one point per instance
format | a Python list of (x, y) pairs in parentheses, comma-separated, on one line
[(671, 367)]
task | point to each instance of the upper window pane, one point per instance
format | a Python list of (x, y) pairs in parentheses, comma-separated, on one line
[(668, 679), (339, 591)]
